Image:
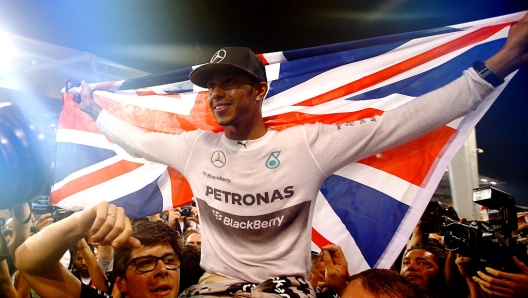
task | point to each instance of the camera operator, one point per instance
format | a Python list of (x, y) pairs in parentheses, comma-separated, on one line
[(431, 226), (491, 252), (182, 218), (428, 264), (503, 284), (423, 264)]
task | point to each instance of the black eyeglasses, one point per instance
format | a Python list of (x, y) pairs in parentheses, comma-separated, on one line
[(149, 263)]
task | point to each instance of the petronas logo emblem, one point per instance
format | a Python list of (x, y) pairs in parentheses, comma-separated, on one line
[(273, 160)]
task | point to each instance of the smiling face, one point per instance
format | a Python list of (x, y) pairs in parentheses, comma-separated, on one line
[(233, 101), (159, 282), (420, 267)]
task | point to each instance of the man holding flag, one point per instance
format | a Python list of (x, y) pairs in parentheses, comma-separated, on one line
[(255, 187)]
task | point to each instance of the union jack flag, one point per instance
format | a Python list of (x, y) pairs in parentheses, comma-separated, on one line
[(369, 208)]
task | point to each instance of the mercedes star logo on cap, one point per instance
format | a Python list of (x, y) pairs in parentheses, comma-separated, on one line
[(218, 56)]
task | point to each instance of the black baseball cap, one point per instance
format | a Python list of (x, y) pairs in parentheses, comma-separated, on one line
[(230, 58)]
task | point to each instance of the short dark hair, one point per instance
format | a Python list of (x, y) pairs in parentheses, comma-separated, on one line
[(390, 283), (438, 250), (148, 233)]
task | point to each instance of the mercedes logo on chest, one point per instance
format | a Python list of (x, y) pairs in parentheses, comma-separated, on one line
[(218, 159)]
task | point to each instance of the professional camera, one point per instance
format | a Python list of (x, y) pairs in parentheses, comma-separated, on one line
[(489, 243), (436, 217), (25, 159)]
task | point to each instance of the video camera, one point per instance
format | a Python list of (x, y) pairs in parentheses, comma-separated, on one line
[(489, 243), (436, 217)]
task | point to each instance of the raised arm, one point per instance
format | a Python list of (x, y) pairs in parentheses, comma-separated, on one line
[(336, 272), (514, 53), (96, 273), (38, 257), (21, 227)]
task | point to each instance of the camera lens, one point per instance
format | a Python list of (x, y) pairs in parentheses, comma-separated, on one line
[(459, 237), (24, 164), (442, 224)]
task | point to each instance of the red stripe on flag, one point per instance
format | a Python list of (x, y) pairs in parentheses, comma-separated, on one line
[(145, 92), (319, 239), (261, 57), (93, 179), (290, 119), (412, 161), (181, 190), (154, 120), (382, 75)]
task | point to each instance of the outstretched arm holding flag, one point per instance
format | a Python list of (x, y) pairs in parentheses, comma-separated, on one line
[(257, 186)]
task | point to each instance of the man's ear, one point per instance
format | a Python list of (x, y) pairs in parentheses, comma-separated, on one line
[(121, 284), (262, 90)]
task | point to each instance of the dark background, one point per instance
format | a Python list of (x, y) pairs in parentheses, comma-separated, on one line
[(159, 36)]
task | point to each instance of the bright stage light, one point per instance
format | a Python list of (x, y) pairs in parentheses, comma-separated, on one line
[(7, 52)]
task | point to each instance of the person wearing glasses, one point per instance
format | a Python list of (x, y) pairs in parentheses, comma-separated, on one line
[(147, 255)]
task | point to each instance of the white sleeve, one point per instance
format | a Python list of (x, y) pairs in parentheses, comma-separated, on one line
[(334, 146), (168, 149)]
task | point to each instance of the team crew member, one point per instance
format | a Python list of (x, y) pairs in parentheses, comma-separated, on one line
[(256, 187)]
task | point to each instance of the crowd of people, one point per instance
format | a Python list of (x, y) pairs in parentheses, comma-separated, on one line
[(255, 190), (72, 262), (99, 252)]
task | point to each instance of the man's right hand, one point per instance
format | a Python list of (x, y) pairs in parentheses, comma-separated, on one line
[(107, 224)]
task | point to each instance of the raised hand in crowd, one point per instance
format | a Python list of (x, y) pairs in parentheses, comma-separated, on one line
[(502, 284), (174, 216), (44, 221), (463, 264), (336, 273), (38, 257), (96, 273), (194, 216)]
